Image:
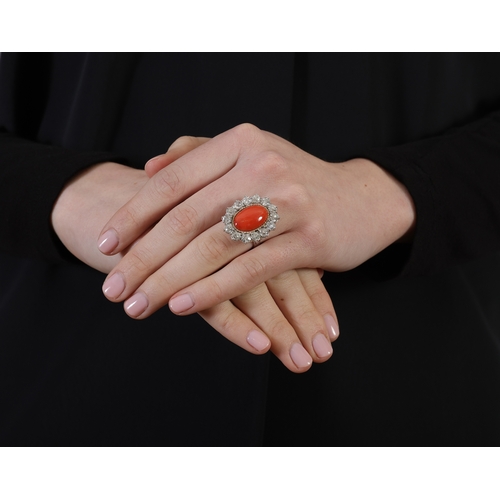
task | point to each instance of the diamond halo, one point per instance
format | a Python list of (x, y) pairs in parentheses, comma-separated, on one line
[(258, 234)]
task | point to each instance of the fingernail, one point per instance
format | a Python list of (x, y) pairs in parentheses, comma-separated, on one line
[(153, 159), (331, 326), (258, 340), (181, 303), (113, 287), (300, 356), (321, 346), (108, 241), (136, 305)]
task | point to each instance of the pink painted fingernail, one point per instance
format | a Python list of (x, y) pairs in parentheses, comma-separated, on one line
[(181, 303), (136, 305), (153, 159), (331, 326), (108, 241), (321, 346), (300, 356), (258, 340), (113, 287)]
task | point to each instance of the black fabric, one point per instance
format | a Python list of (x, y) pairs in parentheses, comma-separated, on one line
[(418, 358), (458, 214), (31, 185)]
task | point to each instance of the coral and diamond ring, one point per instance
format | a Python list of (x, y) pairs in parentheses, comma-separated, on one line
[(251, 219)]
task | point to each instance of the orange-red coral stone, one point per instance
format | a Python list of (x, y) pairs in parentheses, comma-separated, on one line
[(250, 218)]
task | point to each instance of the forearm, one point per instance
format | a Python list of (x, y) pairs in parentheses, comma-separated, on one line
[(383, 207)]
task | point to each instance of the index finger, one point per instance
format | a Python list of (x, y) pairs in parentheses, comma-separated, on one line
[(172, 185)]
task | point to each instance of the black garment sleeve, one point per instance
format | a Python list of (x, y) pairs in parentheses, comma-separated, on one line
[(32, 176), (454, 180)]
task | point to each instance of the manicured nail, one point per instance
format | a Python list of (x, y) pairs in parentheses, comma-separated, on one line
[(258, 340), (181, 303), (321, 346), (300, 356), (108, 241), (153, 159), (113, 287), (136, 305), (331, 326)]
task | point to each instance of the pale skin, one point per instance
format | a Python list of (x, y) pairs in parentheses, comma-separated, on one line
[(334, 216), (291, 314)]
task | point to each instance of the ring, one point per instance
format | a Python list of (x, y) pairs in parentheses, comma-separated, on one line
[(251, 219)]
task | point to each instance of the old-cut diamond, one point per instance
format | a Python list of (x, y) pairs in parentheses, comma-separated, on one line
[(256, 236)]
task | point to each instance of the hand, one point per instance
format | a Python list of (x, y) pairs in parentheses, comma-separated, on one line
[(87, 202), (291, 314), (293, 308), (298, 332), (333, 216)]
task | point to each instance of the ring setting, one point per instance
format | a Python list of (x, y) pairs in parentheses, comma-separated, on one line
[(251, 219)]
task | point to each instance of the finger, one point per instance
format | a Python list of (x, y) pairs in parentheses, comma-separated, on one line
[(233, 324), (245, 272), (260, 306), (153, 266), (203, 293), (321, 300), (170, 186), (161, 255), (300, 312), (178, 148)]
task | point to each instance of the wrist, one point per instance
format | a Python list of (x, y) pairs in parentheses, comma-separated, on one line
[(381, 208)]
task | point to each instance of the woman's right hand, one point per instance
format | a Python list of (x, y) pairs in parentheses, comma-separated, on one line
[(293, 308), (291, 315), (332, 216)]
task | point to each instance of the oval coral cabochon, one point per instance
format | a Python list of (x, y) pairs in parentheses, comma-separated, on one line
[(250, 218)]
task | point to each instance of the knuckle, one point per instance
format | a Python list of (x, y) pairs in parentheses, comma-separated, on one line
[(141, 259), (246, 132), (313, 234), (182, 141), (229, 321), (308, 316), (183, 220), (131, 216), (279, 329), (284, 279), (186, 143), (318, 294), (258, 293), (215, 292), (167, 182), (213, 249), (270, 164), (253, 269), (298, 195), (160, 287)]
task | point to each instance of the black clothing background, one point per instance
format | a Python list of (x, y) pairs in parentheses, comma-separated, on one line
[(418, 357)]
